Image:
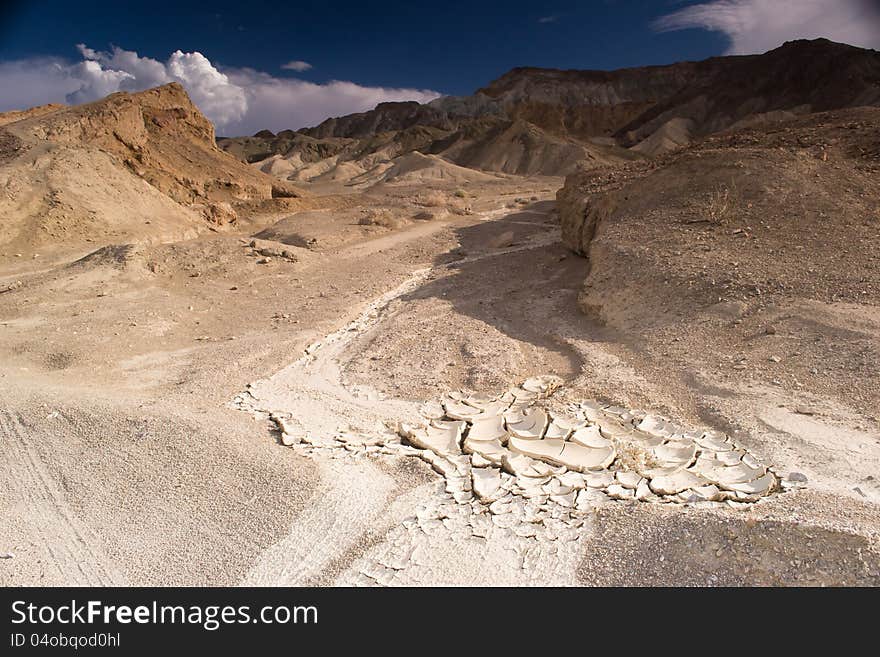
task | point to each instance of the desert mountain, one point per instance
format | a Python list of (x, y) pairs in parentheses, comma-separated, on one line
[(546, 121), (130, 167)]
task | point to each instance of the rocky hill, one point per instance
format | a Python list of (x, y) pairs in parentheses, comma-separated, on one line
[(547, 121), (761, 242), (141, 166), (630, 105)]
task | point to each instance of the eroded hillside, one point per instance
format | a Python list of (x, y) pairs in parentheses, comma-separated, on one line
[(759, 248), (130, 167)]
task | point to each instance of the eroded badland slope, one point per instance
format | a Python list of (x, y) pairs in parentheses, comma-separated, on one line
[(130, 167)]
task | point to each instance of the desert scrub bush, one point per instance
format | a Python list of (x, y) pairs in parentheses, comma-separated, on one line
[(720, 204), (459, 193), (380, 217), (432, 199)]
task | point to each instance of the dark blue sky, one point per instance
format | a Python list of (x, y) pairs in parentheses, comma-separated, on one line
[(451, 46)]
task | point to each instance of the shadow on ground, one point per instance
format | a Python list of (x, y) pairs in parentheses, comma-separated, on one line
[(527, 294)]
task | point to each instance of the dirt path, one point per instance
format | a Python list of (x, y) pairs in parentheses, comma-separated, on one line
[(33, 497), (314, 405), (310, 393), (342, 508)]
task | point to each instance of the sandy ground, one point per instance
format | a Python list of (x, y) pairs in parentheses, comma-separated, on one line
[(133, 457)]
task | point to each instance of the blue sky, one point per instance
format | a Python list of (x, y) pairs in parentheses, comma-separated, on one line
[(453, 46), (348, 56)]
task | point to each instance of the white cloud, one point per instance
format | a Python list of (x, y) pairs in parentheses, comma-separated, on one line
[(297, 65), (30, 82), (102, 73), (96, 81), (238, 101), (221, 100), (755, 26), (86, 52), (548, 19), (282, 103)]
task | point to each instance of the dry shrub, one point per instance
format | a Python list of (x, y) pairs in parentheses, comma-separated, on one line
[(633, 457), (432, 199), (381, 217), (720, 204), (459, 193)]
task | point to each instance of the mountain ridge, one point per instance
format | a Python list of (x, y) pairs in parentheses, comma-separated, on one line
[(556, 120)]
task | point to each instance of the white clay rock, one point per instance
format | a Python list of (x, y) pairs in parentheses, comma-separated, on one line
[(580, 458), (488, 427), (530, 425), (439, 437), (562, 427), (599, 479), (432, 411), (487, 483), (563, 461), (458, 410), (590, 437), (490, 450), (760, 486), (629, 479), (618, 492), (676, 483)]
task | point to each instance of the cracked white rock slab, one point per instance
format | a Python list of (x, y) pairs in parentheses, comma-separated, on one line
[(629, 479), (665, 462), (488, 427), (543, 385), (675, 483), (580, 458), (528, 425), (759, 486), (432, 411), (562, 427), (677, 452), (712, 441), (601, 479), (441, 437), (543, 450), (487, 483), (730, 457), (489, 450), (618, 492), (590, 437), (536, 490), (460, 410), (572, 479), (523, 466)]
